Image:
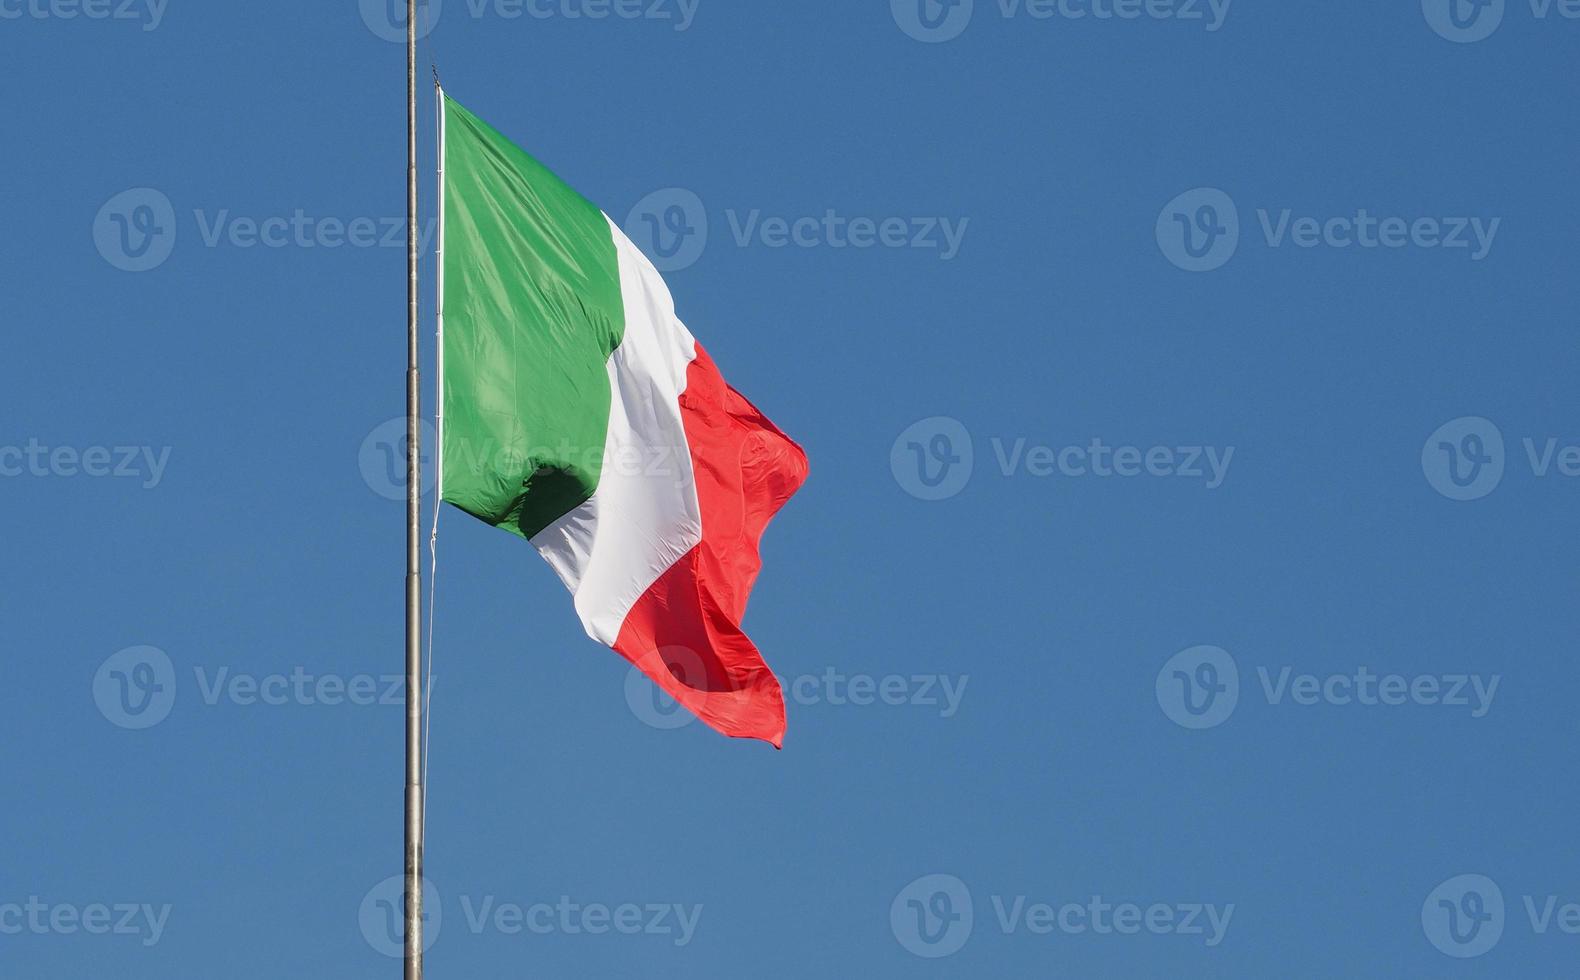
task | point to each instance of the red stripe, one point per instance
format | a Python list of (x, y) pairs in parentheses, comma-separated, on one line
[(684, 632)]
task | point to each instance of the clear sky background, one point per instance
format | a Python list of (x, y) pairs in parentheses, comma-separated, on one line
[(253, 535)]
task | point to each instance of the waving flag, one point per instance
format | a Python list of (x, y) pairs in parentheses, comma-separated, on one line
[(580, 413)]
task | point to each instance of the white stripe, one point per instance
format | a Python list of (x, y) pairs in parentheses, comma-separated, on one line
[(438, 330), (644, 516), (438, 462)]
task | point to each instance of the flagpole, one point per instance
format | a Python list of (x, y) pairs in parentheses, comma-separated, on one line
[(414, 815)]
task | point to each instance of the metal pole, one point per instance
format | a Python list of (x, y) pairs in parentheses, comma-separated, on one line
[(413, 500)]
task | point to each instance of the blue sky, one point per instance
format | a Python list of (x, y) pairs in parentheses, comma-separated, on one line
[(1185, 583)]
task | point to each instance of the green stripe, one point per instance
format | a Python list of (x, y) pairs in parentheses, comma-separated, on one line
[(532, 311)]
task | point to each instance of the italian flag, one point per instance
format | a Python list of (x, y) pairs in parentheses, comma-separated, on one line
[(579, 412)]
